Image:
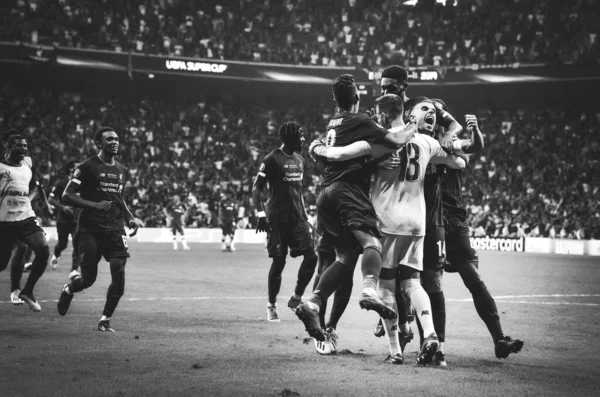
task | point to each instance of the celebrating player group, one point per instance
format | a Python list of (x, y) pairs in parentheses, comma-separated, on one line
[(391, 192)]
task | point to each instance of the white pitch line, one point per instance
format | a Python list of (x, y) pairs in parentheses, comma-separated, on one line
[(502, 299)]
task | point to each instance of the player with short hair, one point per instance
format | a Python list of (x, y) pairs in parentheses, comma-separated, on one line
[(398, 197), (463, 259), (344, 210), (66, 222), (227, 213), (284, 218), (97, 187), (175, 212), (17, 218)]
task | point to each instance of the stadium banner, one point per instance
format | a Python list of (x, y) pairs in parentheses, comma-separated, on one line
[(192, 67), (539, 245), (508, 244)]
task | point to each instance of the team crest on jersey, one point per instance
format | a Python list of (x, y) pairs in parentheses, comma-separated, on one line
[(77, 173), (102, 175)]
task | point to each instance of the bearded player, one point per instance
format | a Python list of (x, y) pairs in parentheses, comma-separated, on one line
[(97, 187), (284, 218), (17, 218)]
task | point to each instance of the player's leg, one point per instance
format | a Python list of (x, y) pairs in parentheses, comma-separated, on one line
[(75, 257), (114, 248), (434, 260), (300, 242), (232, 240), (184, 243), (34, 237), (89, 255), (27, 262), (17, 261), (278, 251), (465, 260), (174, 233), (394, 250), (63, 231)]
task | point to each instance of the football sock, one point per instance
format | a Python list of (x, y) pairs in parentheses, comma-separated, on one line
[(330, 280), (341, 299), (113, 296), (420, 301), (404, 328), (386, 294), (438, 310), (305, 272), (104, 318), (371, 267), (404, 305), (16, 272)]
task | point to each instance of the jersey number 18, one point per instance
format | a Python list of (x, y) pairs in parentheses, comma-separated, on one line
[(409, 162)]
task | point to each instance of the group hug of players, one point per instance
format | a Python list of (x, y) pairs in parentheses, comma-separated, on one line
[(392, 192)]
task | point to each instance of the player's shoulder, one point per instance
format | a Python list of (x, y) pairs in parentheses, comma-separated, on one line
[(121, 167), (89, 162), (424, 140), (28, 161), (272, 155)]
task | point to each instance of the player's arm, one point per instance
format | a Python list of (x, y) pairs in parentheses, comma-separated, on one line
[(130, 220), (472, 145), (57, 190), (257, 191), (354, 150), (440, 156), (71, 196), (451, 126)]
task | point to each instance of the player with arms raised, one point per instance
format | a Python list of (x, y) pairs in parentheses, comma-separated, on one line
[(66, 222), (17, 218), (97, 187), (175, 213), (463, 259), (344, 210), (284, 218)]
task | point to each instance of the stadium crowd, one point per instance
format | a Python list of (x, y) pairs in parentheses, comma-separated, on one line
[(328, 33), (536, 176)]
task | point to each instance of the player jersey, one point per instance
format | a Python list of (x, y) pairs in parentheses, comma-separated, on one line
[(101, 182), (176, 212), (57, 191), (452, 195), (398, 194), (226, 211), (433, 194), (343, 130), (15, 204), (285, 174)]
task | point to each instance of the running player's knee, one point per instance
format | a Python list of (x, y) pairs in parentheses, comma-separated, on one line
[(42, 252), (432, 281), (471, 276), (278, 265), (310, 260), (410, 285)]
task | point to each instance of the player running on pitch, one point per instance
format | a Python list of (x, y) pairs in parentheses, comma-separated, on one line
[(97, 187)]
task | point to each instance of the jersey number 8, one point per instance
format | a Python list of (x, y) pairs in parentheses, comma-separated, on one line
[(409, 162)]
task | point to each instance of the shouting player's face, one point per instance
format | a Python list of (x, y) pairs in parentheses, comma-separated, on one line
[(110, 142), (18, 150), (424, 114)]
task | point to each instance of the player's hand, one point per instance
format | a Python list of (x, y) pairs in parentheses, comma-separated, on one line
[(314, 145), (411, 129), (132, 224), (471, 120), (68, 210), (372, 114), (390, 163), (103, 205), (263, 225)]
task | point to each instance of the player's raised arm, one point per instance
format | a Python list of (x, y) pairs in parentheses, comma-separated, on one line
[(475, 143), (445, 119), (71, 197)]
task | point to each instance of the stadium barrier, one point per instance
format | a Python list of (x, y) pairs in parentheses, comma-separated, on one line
[(249, 236)]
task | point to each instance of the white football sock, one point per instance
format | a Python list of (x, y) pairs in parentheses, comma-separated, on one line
[(420, 301)]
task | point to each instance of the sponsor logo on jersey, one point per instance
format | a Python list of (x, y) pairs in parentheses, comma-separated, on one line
[(292, 177), (102, 175)]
